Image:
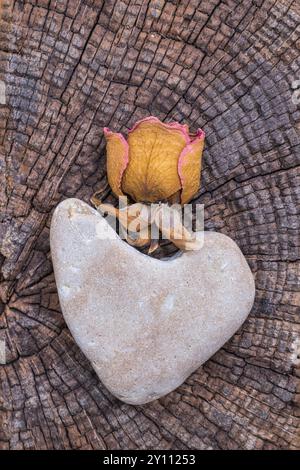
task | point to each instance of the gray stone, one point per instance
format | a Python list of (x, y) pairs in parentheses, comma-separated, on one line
[(145, 324)]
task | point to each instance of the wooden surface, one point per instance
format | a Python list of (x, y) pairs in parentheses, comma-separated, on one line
[(72, 67)]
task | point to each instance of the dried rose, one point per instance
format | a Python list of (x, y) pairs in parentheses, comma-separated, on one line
[(156, 162)]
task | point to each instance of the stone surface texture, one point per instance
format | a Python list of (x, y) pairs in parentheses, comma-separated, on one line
[(145, 324)]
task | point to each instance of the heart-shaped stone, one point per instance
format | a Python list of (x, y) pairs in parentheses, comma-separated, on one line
[(145, 324)]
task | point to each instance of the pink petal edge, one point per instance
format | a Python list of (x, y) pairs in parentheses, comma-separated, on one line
[(167, 125), (108, 133)]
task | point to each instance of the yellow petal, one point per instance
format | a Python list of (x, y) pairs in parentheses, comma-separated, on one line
[(154, 150), (117, 159), (189, 167)]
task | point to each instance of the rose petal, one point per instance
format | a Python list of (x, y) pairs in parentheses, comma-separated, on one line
[(183, 128), (154, 150), (189, 167), (117, 159)]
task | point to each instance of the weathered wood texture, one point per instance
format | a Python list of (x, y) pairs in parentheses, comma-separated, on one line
[(72, 67)]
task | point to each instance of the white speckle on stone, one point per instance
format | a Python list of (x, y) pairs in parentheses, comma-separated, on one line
[(64, 291), (167, 304), (145, 324), (224, 266), (74, 269)]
